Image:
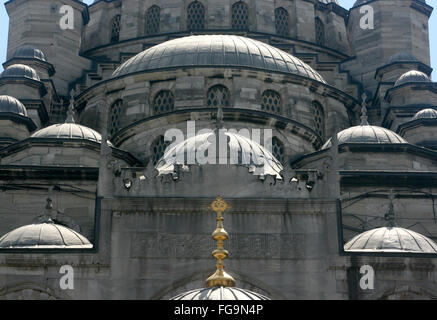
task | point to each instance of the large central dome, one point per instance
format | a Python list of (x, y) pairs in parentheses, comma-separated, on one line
[(216, 51)]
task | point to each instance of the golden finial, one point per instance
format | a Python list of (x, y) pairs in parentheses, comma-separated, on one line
[(220, 278)]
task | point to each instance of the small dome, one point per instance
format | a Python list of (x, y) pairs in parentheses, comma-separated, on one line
[(13, 105), (216, 51), (391, 239), (68, 131), (412, 76), (329, 1), (29, 52), (44, 235), (20, 71), (366, 134), (220, 293), (402, 57), (260, 161), (426, 114)]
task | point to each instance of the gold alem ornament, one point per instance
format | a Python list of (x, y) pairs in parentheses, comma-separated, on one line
[(220, 278)]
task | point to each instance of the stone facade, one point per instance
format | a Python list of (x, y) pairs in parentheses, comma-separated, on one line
[(149, 227)]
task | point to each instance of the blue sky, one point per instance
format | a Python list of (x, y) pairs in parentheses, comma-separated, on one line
[(4, 21)]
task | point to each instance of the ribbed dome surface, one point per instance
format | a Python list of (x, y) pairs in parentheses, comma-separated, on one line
[(261, 163), (44, 235), (68, 131), (29, 52), (328, 1), (412, 76), (216, 51), (391, 239), (426, 114), (13, 105), (220, 293), (366, 134), (20, 71)]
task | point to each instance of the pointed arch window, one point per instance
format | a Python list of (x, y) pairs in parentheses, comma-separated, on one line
[(153, 19), (240, 16), (115, 28), (218, 95), (320, 32), (195, 16), (281, 21)]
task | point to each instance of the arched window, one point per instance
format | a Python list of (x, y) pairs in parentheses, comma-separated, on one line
[(281, 21), (153, 17), (278, 150), (218, 95), (271, 101), (114, 116), (196, 16), (319, 118), (115, 28), (159, 147), (163, 102), (240, 16), (320, 32)]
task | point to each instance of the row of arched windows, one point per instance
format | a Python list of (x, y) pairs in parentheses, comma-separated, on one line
[(219, 95), (196, 19)]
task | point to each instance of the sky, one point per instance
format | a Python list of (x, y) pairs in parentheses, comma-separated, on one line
[(4, 23)]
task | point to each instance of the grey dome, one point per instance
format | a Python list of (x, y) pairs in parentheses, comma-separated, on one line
[(68, 131), (412, 76), (329, 1), (29, 52), (391, 239), (366, 134), (426, 114), (402, 57), (262, 162), (13, 105), (20, 71), (216, 51), (44, 235), (220, 293)]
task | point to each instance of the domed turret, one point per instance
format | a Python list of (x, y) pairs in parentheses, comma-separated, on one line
[(365, 133), (12, 105), (412, 76), (20, 71), (29, 52), (426, 114)]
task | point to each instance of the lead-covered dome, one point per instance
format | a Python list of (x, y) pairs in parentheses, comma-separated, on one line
[(241, 151), (216, 51), (29, 52), (391, 239), (20, 71), (402, 57), (426, 114), (12, 105), (411, 77), (366, 134), (220, 293), (46, 235), (68, 131)]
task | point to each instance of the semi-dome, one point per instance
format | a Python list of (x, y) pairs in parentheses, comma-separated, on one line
[(402, 57), (44, 235), (29, 52), (391, 239), (20, 71), (216, 51), (247, 152), (68, 131), (412, 76), (426, 114), (220, 293), (366, 134), (12, 105)]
